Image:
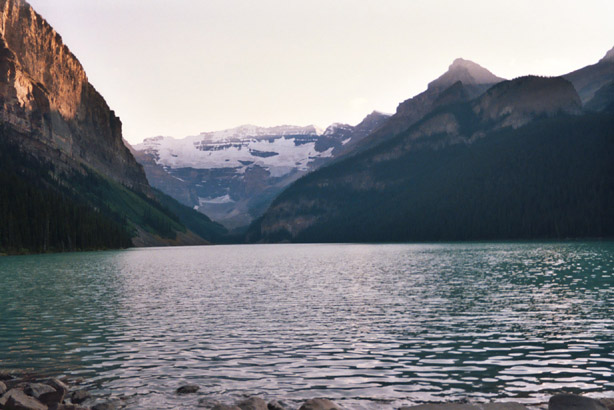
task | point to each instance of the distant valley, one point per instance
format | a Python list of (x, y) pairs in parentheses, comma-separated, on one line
[(233, 175)]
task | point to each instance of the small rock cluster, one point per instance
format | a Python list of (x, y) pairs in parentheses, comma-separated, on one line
[(256, 403), (29, 393)]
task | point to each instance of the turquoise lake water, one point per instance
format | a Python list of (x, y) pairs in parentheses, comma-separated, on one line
[(369, 326)]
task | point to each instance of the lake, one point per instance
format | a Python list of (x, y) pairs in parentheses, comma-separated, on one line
[(369, 326)]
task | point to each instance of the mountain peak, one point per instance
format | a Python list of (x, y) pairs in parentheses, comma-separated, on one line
[(609, 56), (467, 72)]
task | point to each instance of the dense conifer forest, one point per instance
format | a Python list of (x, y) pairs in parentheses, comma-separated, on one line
[(43, 210), (552, 179), (37, 214)]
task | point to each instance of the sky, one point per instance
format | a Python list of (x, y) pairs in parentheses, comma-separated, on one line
[(182, 67)]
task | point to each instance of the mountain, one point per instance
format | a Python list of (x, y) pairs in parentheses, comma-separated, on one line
[(520, 161), (69, 182), (233, 175), (589, 80), (463, 81), (49, 107)]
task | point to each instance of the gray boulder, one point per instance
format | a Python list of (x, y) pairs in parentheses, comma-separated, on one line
[(79, 396), (319, 404), (253, 403), (109, 405), (57, 395), (467, 406), (2, 388), (275, 405), (608, 403), (18, 400), (36, 390), (60, 406), (187, 389), (574, 402), (225, 407)]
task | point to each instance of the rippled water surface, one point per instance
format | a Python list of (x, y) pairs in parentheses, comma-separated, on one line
[(370, 326)]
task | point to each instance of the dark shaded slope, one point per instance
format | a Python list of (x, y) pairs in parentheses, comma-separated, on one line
[(512, 164), (590, 79)]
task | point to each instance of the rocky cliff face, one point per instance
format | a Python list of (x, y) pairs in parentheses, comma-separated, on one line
[(463, 81), (48, 106), (589, 80)]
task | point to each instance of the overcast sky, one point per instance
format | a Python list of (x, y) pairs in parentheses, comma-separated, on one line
[(182, 67)]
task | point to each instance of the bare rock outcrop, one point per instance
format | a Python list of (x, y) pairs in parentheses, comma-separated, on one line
[(48, 106)]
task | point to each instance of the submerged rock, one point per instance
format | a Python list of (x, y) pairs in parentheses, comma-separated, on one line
[(105, 406), (6, 375), (574, 402), (187, 389), (608, 403), (275, 405), (60, 406), (253, 403), (467, 406), (319, 404), (225, 407), (79, 396)]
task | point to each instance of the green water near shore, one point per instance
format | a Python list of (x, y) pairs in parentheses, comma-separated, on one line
[(371, 326)]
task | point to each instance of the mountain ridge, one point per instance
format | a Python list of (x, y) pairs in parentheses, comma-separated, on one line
[(318, 206), (232, 175)]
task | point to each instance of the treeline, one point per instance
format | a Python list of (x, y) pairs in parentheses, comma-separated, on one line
[(551, 179), (39, 215), (199, 223)]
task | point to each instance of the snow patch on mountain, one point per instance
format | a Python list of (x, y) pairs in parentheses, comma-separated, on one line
[(280, 150)]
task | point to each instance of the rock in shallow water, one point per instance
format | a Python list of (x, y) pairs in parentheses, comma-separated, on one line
[(79, 396), (18, 400), (275, 405), (2, 388), (57, 395), (105, 406), (253, 403), (608, 403), (225, 407), (61, 406), (467, 406), (188, 388), (319, 404), (574, 402), (36, 390)]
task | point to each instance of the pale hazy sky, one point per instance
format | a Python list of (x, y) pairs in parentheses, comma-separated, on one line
[(181, 67)]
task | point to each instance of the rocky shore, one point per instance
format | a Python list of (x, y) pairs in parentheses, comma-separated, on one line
[(28, 392)]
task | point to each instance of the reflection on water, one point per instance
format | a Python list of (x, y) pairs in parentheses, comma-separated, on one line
[(372, 326)]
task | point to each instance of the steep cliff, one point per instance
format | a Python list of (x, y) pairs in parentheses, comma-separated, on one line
[(49, 108), (68, 180)]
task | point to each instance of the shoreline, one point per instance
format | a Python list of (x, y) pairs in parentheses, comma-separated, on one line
[(26, 391)]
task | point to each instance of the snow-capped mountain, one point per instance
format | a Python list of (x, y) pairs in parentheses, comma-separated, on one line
[(279, 150), (233, 175)]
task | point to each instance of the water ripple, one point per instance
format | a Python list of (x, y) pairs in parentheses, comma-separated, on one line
[(372, 326)]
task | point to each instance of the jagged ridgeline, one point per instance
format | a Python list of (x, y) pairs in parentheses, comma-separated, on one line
[(522, 161), (68, 180)]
